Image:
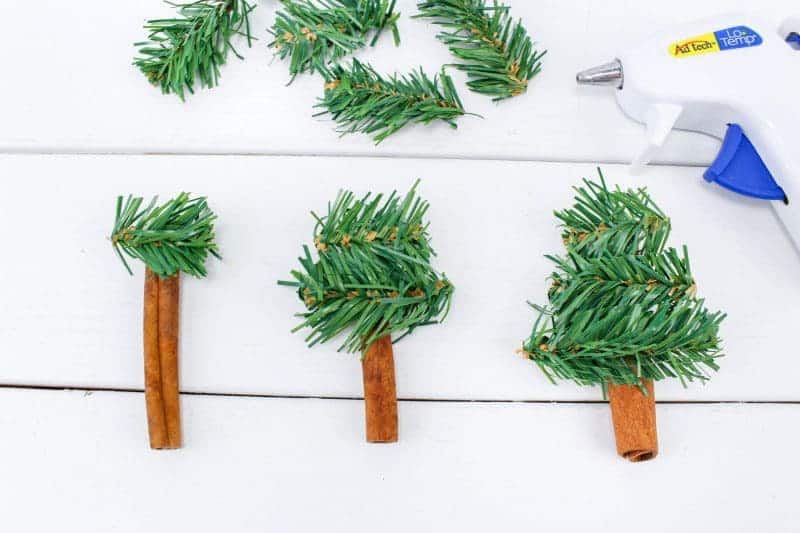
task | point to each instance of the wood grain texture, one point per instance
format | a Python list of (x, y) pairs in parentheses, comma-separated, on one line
[(380, 392), (484, 466), (490, 234), (99, 102), (634, 417)]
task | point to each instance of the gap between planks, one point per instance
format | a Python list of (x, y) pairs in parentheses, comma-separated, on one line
[(90, 390), (337, 155)]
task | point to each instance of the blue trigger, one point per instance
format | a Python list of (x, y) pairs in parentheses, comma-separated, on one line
[(739, 168)]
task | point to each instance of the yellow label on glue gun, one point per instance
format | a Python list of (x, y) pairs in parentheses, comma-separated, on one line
[(733, 38)]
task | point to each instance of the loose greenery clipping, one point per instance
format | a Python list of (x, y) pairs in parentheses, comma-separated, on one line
[(176, 236), (193, 44), (622, 306), (496, 53), (372, 274), (361, 100), (315, 33)]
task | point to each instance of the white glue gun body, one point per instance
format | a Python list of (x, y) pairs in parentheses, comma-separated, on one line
[(732, 77)]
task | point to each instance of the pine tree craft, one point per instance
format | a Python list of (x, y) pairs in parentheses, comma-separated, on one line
[(496, 53), (315, 33), (362, 101), (175, 237), (193, 44), (372, 279), (623, 311)]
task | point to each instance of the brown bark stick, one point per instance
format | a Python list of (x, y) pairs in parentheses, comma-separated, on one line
[(161, 318), (634, 417), (380, 391), (156, 423), (168, 329)]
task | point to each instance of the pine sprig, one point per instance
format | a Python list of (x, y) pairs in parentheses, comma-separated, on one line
[(193, 45), (315, 33), (614, 222), (372, 274), (361, 100), (496, 53), (622, 306), (176, 236)]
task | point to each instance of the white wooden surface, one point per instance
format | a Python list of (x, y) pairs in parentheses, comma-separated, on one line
[(491, 240), (79, 463), (70, 316), (71, 87)]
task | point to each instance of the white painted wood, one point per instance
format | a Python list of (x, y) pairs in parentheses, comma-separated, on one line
[(81, 463), (70, 87), (71, 315)]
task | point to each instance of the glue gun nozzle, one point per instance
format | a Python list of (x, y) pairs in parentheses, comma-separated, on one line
[(608, 75)]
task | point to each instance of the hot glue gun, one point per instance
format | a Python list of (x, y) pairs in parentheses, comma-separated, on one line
[(732, 77)]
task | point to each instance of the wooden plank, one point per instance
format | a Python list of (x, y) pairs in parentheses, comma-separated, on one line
[(71, 315), (302, 465), (74, 88)]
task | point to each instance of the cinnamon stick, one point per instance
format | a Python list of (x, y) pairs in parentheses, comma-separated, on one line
[(161, 322), (380, 391), (634, 418), (168, 322), (156, 423)]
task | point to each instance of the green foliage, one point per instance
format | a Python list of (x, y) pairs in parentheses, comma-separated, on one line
[(361, 100), (619, 223), (496, 53), (314, 33), (622, 306), (373, 272), (176, 236), (195, 43)]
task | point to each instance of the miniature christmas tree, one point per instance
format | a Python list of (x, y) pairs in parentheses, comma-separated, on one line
[(315, 33), (623, 311), (361, 100), (194, 44), (497, 54), (372, 277), (169, 239)]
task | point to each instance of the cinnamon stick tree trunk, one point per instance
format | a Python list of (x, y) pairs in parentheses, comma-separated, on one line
[(634, 417), (380, 391), (161, 328)]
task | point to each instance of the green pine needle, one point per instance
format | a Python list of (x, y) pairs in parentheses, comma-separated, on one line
[(618, 222), (194, 44), (372, 274), (622, 306), (361, 100), (315, 33), (497, 54), (176, 236)]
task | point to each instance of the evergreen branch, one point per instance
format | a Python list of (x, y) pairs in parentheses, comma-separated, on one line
[(315, 33), (580, 282), (615, 222), (194, 44), (176, 236), (621, 307), (497, 54), (361, 100), (373, 274)]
